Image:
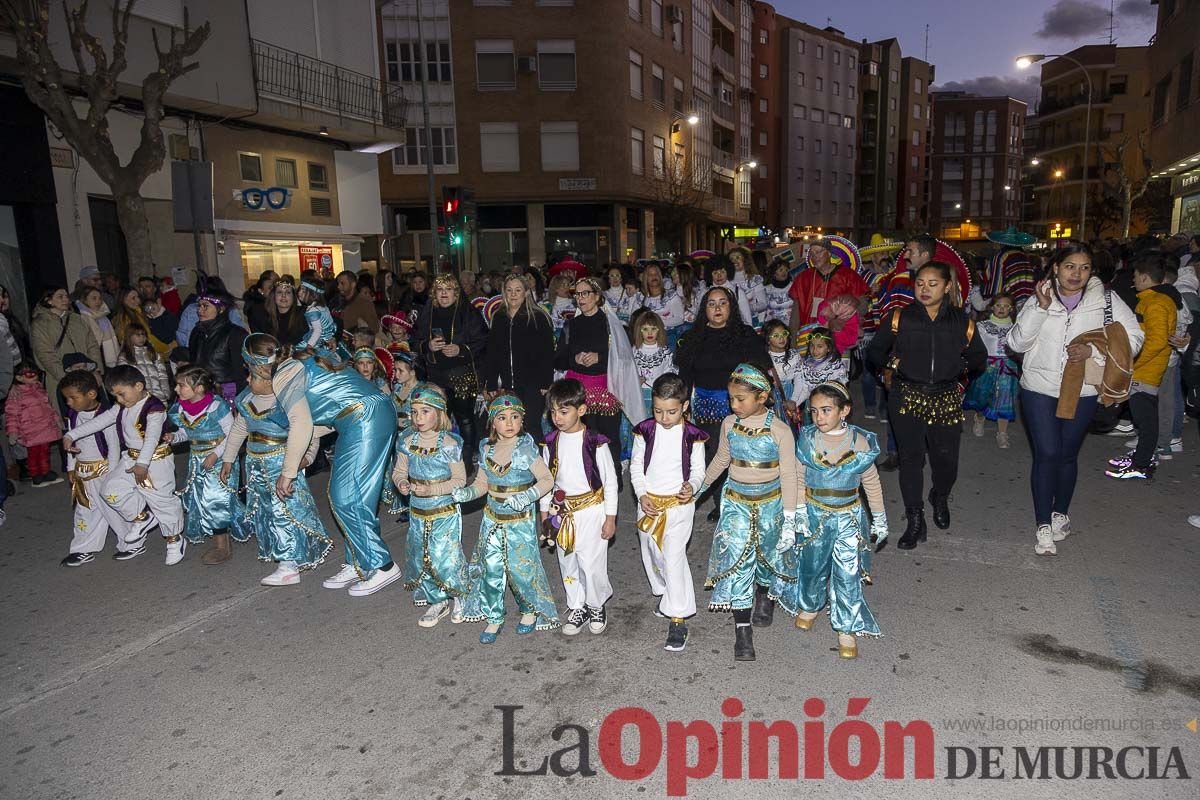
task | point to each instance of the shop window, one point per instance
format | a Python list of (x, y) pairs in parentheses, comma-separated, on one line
[(318, 177), (251, 166)]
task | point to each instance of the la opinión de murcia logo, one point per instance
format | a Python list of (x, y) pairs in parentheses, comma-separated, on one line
[(852, 750)]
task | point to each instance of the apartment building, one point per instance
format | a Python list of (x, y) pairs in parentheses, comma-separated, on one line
[(916, 145), (766, 122), (882, 94), (976, 164), (583, 132), (1175, 109), (1118, 79)]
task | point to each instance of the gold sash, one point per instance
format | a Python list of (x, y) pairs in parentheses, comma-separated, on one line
[(737, 462), (851, 502), (160, 452), (265, 438), (656, 526), (85, 471), (572, 504)]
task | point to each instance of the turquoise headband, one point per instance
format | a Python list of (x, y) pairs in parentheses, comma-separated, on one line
[(257, 361), (426, 394), (751, 376), (311, 287), (364, 352), (505, 402)]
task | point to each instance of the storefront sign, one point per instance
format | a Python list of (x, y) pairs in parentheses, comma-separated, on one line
[(1186, 183), (577, 184), (62, 157), (318, 257)]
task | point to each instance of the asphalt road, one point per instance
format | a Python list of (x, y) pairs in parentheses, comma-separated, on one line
[(136, 680)]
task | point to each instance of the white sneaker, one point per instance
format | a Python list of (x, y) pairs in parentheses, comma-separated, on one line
[(1194, 520), (1002, 439), (1121, 429), (977, 426), (379, 579), (434, 614), (1060, 526), (3, 516), (1045, 542), (285, 575), (175, 551), (1177, 445), (344, 577), (140, 526), (457, 616)]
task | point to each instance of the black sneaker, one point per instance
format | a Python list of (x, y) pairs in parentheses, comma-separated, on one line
[(78, 559), (677, 636), (127, 555), (597, 620), (576, 619), (37, 481), (51, 478)]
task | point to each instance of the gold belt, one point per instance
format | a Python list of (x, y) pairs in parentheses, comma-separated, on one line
[(162, 451), (420, 482), (264, 438), (85, 471), (205, 444), (850, 493), (737, 462), (353, 408), (432, 513), (734, 494), (494, 488), (571, 504), (656, 526), (500, 516)]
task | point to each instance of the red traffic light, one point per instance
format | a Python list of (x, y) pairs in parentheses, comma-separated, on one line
[(451, 206)]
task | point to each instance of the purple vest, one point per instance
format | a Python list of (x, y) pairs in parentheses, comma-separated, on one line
[(691, 434), (101, 439), (151, 405), (591, 440)]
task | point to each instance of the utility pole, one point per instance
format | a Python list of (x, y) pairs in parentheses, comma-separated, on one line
[(433, 215), (926, 59)]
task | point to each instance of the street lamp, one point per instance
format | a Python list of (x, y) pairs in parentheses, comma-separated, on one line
[(1026, 61), (690, 119), (746, 165), (1034, 162), (1058, 173)]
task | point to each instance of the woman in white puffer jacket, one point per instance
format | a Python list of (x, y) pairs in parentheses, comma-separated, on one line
[(1067, 303)]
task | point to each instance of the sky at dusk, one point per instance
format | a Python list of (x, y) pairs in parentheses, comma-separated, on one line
[(974, 42)]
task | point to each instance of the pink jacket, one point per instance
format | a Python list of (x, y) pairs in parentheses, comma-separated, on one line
[(847, 337), (28, 414)]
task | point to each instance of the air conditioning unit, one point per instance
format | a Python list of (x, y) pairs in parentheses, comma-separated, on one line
[(527, 65), (674, 14)]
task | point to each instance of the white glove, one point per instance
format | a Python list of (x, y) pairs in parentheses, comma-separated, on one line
[(879, 528), (522, 500), (787, 537), (464, 494)]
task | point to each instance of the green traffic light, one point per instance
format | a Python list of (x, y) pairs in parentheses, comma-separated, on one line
[(456, 239)]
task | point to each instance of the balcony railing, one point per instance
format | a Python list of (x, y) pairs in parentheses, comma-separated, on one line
[(296, 78), (723, 59), (1054, 104), (724, 111), (725, 9), (723, 206), (723, 159)]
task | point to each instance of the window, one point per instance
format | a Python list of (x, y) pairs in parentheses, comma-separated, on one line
[(1161, 89), (816, 176), (560, 147), (891, 104), (849, 178), (820, 52), (404, 61), (891, 131), (656, 17), (762, 105), (833, 178), (556, 65), (678, 99), (820, 84), (916, 140), (800, 79), (318, 177), (837, 89), (849, 152), (917, 86), (658, 155), (891, 158), (637, 141), (816, 145), (762, 171), (499, 147), (495, 66), (1184, 95), (851, 91), (800, 143), (320, 206), (916, 162), (835, 119), (285, 172), (837, 56), (413, 152), (872, 68), (799, 111), (658, 86), (916, 110), (816, 206), (893, 76), (762, 36), (817, 115), (1114, 123), (762, 70), (762, 204), (833, 151), (635, 74), (635, 10), (848, 121), (762, 138), (912, 189), (1118, 84), (853, 62), (251, 166), (800, 46)]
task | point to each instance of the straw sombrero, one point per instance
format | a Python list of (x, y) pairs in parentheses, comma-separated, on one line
[(880, 245)]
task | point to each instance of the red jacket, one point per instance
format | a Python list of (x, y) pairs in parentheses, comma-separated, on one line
[(29, 416), (810, 289)]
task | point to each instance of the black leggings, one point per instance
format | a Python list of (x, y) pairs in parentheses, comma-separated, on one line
[(463, 411), (916, 438), (713, 429), (535, 412)]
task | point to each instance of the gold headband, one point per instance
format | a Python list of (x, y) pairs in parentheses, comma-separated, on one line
[(835, 386)]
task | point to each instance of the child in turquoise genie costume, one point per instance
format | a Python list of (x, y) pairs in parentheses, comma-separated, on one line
[(758, 520), (404, 381), (513, 476), (835, 460), (429, 468)]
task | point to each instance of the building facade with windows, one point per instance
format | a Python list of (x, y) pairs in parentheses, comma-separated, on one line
[(916, 146), (879, 153), (976, 164), (571, 124), (1174, 64)]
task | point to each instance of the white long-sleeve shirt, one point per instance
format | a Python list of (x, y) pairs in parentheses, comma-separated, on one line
[(571, 477), (89, 449), (133, 440), (665, 469), (181, 435)]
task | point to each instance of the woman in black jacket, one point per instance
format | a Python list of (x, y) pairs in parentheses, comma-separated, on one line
[(928, 345), (216, 344), (452, 343), (707, 355), (520, 353)]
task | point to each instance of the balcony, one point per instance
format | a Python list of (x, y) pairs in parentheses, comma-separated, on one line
[(723, 60), (723, 10), (724, 114), (324, 93), (1053, 105), (723, 207), (723, 160)]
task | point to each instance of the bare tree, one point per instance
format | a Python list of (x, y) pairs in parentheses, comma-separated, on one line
[(93, 79), (679, 192), (1124, 187)]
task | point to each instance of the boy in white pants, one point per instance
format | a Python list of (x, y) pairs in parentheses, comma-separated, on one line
[(584, 498), (666, 470), (144, 481), (98, 455)]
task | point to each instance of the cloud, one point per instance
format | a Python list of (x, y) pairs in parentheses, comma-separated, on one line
[(1075, 19), (1140, 10), (1023, 88)]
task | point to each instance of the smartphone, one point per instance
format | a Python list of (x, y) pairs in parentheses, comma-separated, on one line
[(437, 333)]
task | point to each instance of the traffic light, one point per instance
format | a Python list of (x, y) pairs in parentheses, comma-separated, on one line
[(451, 202)]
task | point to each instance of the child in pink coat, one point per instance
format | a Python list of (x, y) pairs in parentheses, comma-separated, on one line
[(840, 315), (32, 423)]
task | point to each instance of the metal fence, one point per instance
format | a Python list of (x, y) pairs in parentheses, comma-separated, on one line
[(296, 78)]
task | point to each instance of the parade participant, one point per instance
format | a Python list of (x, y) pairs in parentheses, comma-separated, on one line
[(429, 467), (595, 350), (832, 271), (404, 382), (758, 507), (278, 432), (137, 352), (877, 259), (32, 423), (779, 302), (216, 344), (651, 355), (1057, 413), (368, 365), (585, 500), (520, 352), (98, 454), (322, 330), (513, 476), (690, 290), (1010, 271), (663, 302), (666, 470), (563, 276), (710, 351), (614, 281), (784, 358), (836, 459), (992, 394), (142, 491), (823, 364), (365, 421), (927, 346), (203, 421), (719, 269), (394, 329), (747, 280)]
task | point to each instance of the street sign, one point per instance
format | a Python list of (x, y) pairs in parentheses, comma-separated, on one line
[(577, 184)]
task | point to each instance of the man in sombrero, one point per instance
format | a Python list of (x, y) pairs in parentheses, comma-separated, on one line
[(831, 275), (1010, 270)]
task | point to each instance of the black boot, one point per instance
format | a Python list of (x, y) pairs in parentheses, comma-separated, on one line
[(715, 514), (916, 530), (941, 509), (764, 608), (889, 463), (743, 645)]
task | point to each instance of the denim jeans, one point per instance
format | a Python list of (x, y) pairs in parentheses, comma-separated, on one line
[(1170, 407), (1055, 444)]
